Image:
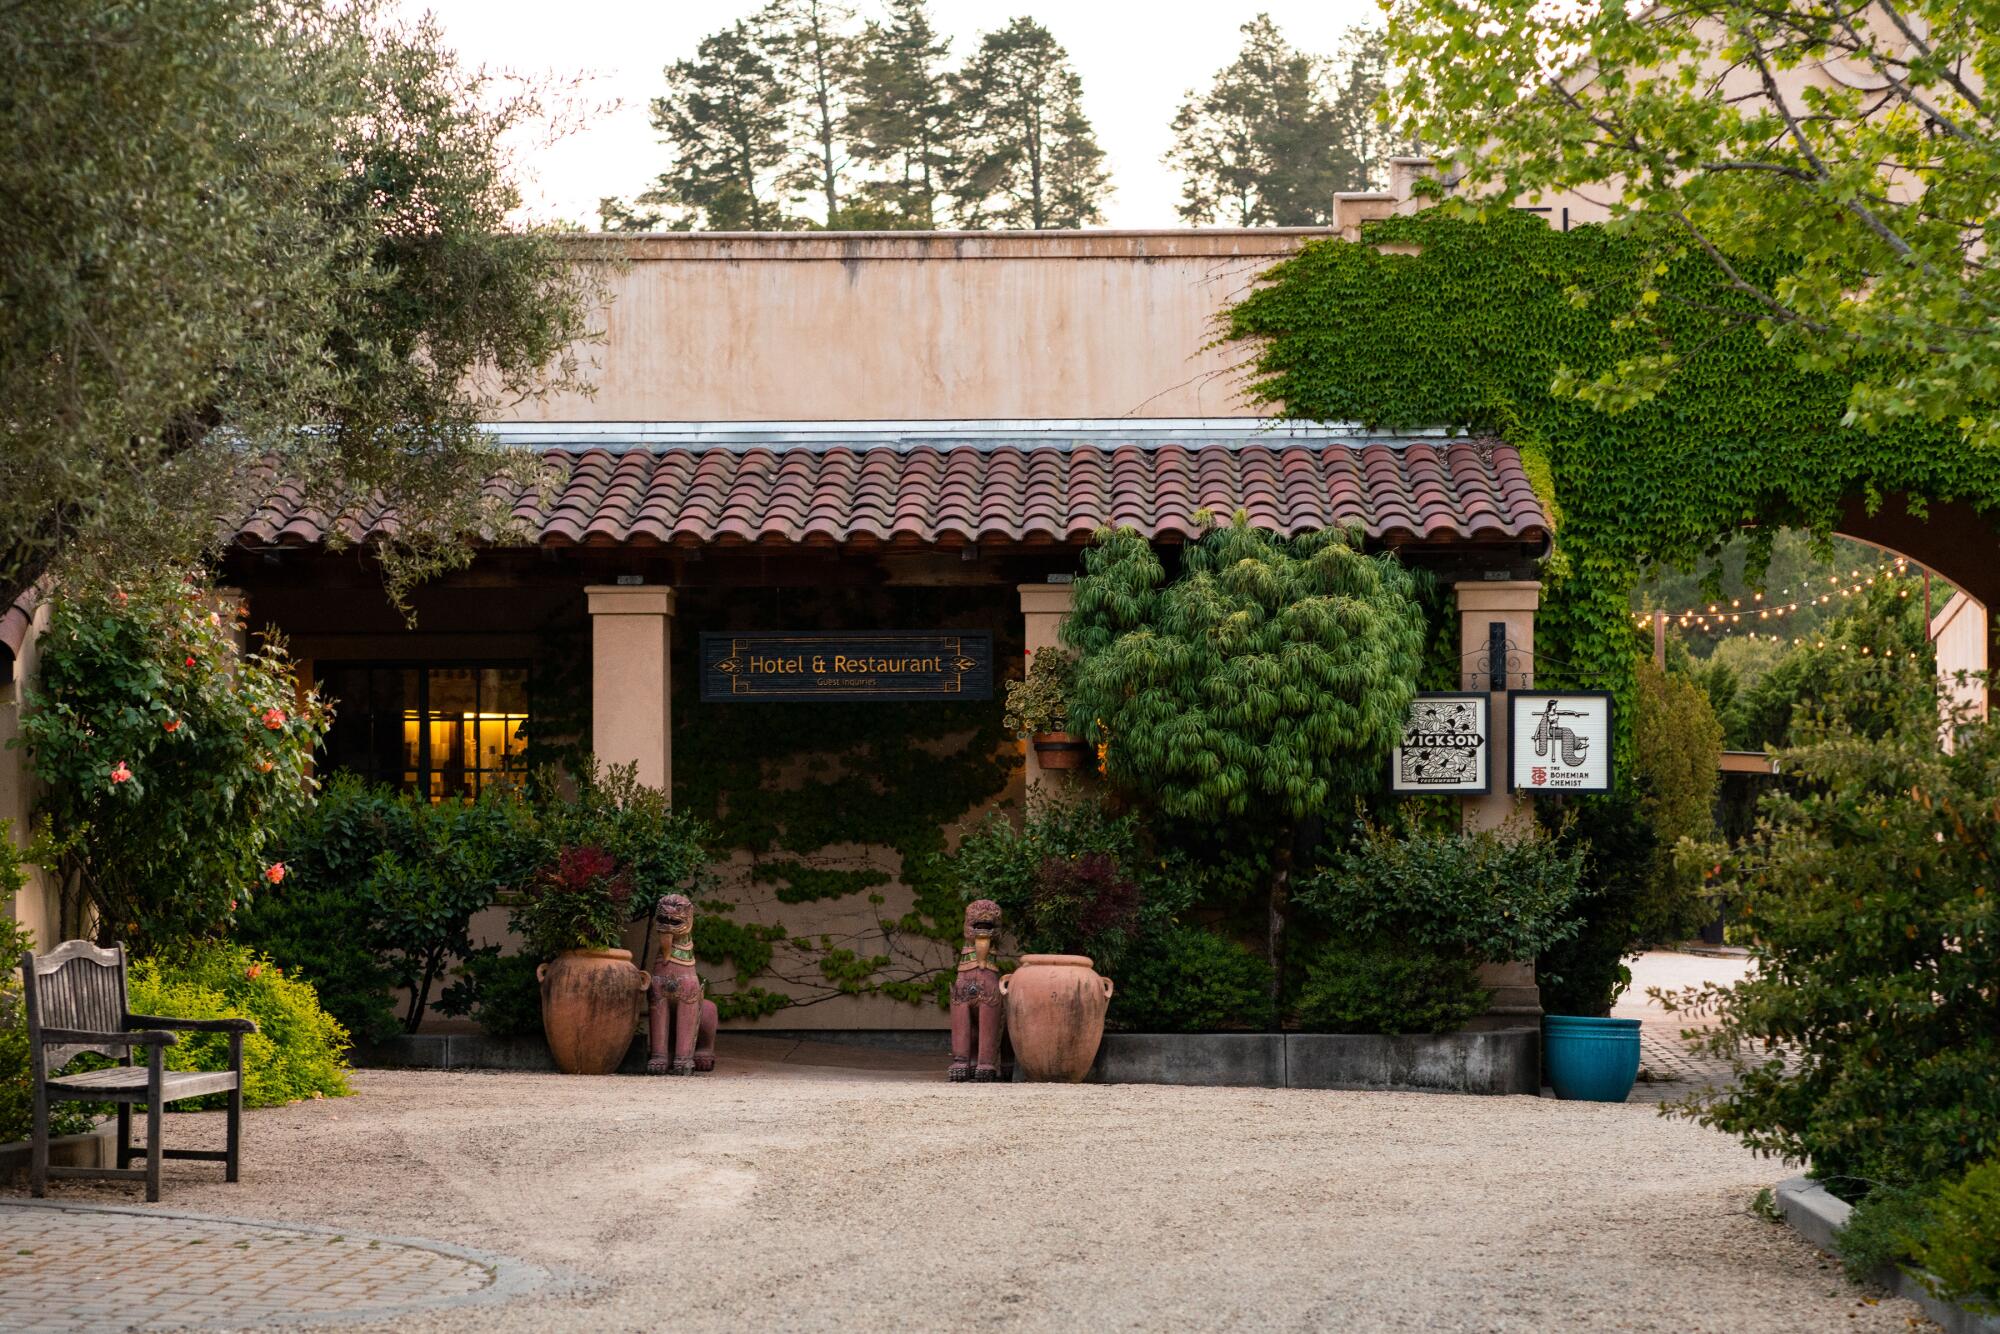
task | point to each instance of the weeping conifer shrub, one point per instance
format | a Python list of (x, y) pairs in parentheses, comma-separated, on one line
[(1259, 687)]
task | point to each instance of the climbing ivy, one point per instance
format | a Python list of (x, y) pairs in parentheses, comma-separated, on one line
[(1493, 325), (799, 787)]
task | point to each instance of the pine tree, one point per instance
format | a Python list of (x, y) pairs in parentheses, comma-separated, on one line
[(1031, 158), (1279, 132), (813, 56), (724, 114), (901, 120)]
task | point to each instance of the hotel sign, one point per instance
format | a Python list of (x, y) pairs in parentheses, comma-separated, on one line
[(885, 665)]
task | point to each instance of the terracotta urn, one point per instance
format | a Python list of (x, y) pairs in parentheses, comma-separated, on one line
[(1061, 750), (590, 1008), (1055, 1015)]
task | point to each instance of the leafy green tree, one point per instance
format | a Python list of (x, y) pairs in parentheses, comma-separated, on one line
[(1030, 156), (1677, 746), (1259, 687), (813, 55), (247, 234), (1278, 132), (727, 120), (167, 761), (1866, 1038), (901, 120), (1873, 667), (1839, 165)]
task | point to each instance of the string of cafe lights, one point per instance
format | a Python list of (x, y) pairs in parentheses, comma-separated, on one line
[(1723, 616)]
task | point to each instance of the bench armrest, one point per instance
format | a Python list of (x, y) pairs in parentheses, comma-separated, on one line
[(191, 1025), (83, 1037)]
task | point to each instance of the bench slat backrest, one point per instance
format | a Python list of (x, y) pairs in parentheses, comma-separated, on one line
[(74, 985)]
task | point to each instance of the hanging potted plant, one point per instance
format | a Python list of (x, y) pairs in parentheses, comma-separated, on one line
[(572, 913), (1038, 709)]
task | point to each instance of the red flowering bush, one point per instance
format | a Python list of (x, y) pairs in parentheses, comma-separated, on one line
[(168, 760), (582, 901)]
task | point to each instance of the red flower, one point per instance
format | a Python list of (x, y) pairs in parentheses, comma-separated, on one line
[(190, 660), (121, 597), (275, 873), (252, 971), (274, 718), (264, 766), (172, 724), (120, 774)]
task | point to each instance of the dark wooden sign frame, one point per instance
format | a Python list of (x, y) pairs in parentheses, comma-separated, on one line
[(814, 665)]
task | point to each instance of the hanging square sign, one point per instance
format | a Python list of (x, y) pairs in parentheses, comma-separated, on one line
[(1446, 746), (1558, 741)]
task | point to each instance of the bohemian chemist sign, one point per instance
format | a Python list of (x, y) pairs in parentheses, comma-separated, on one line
[(837, 664), (1445, 746)]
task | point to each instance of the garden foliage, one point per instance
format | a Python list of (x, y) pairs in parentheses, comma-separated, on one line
[(1867, 1038), (1187, 979), (298, 1050), (1256, 688), (1677, 749), (1586, 973), (168, 760), (1376, 984)]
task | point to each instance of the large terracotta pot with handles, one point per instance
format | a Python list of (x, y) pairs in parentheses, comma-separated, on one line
[(590, 1008), (1055, 1015)]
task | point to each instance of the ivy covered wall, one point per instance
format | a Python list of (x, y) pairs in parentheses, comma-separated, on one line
[(1509, 327), (826, 815)]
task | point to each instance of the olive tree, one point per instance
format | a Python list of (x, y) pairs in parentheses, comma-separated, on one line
[(240, 237), (1258, 687)]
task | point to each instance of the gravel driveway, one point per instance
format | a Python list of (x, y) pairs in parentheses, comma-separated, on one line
[(771, 1196)]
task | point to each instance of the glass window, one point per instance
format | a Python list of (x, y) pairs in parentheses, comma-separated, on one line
[(436, 729)]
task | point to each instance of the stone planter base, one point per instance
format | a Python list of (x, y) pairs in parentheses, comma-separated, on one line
[(92, 1149), (1496, 1062)]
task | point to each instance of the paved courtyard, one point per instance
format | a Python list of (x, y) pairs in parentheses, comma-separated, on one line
[(772, 1196)]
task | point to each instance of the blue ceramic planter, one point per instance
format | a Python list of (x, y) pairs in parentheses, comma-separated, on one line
[(1589, 1059)]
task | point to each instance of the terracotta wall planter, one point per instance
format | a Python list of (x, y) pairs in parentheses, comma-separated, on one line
[(590, 1008), (1061, 750), (1055, 1015)]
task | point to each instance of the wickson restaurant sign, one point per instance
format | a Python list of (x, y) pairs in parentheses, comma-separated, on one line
[(883, 665), (1445, 746)]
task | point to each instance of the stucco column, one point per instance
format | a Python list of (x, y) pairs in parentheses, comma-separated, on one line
[(1510, 605), (1043, 607), (631, 643)]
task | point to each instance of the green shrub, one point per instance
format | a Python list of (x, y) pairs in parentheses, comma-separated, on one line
[(500, 990), (1380, 986), (168, 760), (1494, 896), (1677, 748), (17, 1090), (1866, 1038), (601, 858), (299, 1049), (1078, 877), (1181, 979), (1877, 1234), (1957, 1247)]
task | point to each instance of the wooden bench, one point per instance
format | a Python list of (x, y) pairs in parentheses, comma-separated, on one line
[(75, 997)]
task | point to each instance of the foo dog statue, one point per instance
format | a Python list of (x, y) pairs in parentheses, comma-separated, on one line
[(678, 1011), (976, 1015)]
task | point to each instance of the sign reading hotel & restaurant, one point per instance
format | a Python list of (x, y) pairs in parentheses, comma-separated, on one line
[(1446, 746), (1558, 741), (905, 665)]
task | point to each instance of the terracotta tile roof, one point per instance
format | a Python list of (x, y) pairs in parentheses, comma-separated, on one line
[(1412, 490)]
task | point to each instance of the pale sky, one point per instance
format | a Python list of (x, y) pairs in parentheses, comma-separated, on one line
[(1137, 63)]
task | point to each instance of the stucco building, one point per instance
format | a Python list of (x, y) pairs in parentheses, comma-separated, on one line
[(856, 433)]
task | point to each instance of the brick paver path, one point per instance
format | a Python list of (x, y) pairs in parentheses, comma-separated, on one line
[(100, 1269)]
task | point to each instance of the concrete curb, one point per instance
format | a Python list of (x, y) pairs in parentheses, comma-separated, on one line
[(1816, 1214), (510, 1278)]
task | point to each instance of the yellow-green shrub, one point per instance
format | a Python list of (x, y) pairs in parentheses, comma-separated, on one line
[(299, 1050)]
